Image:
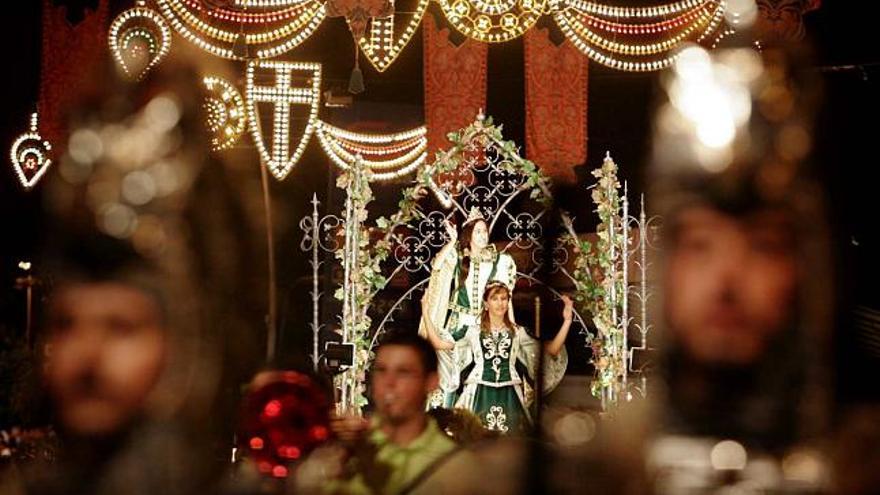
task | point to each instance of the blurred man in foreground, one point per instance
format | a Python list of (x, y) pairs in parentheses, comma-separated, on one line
[(400, 449)]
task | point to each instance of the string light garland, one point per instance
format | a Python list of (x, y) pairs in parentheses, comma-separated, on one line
[(267, 3), (265, 35), (273, 27), (239, 36), (663, 26), (382, 45), (637, 49), (229, 15), (695, 25), (282, 96), (492, 21), (374, 139), (225, 114), (724, 34), (390, 156), (30, 156), (650, 12), (400, 153), (139, 39), (407, 169)]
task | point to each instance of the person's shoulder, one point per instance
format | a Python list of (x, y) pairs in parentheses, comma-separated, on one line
[(472, 329), (436, 442), (457, 472), (523, 332)]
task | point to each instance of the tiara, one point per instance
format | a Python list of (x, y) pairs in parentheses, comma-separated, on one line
[(496, 283)]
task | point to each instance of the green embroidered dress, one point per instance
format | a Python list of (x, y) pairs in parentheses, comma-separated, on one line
[(494, 389), (454, 307)]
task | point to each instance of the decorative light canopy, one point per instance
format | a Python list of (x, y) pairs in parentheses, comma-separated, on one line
[(30, 156), (272, 29), (492, 21), (225, 114), (624, 38), (387, 38), (637, 39), (387, 156), (266, 3), (650, 12), (139, 39), (283, 97)]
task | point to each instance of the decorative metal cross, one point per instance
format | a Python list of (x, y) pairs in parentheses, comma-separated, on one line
[(483, 198), (506, 182), (524, 230), (412, 253), (433, 229)]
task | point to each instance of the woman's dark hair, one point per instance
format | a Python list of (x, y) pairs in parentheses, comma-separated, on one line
[(464, 247), (492, 288)]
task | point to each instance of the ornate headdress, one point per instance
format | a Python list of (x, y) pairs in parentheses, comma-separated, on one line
[(496, 283), (473, 216)]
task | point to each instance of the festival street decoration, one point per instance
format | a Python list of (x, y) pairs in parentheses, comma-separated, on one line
[(386, 156), (604, 285), (493, 21), (225, 113), (510, 192), (623, 38), (258, 30), (285, 99), (638, 39), (65, 50), (30, 156), (358, 12), (387, 36), (455, 82), (283, 117), (139, 39), (556, 105)]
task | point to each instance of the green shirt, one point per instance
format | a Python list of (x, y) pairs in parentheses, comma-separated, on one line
[(387, 468)]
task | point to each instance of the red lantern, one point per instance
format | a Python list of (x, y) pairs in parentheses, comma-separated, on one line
[(284, 417)]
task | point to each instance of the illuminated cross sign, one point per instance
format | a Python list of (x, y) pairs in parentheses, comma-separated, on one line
[(284, 98)]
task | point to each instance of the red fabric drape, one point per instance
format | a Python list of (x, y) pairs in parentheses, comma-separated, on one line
[(67, 53), (455, 83), (782, 21), (556, 105)]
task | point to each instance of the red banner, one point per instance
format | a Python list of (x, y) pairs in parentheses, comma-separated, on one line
[(556, 105), (455, 83), (67, 52)]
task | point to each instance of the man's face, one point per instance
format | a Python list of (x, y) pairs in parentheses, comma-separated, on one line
[(730, 284), (107, 350), (400, 384)]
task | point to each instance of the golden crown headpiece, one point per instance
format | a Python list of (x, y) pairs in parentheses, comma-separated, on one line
[(474, 215)]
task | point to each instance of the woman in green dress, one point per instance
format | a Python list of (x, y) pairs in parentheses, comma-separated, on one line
[(494, 390), (453, 299)]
